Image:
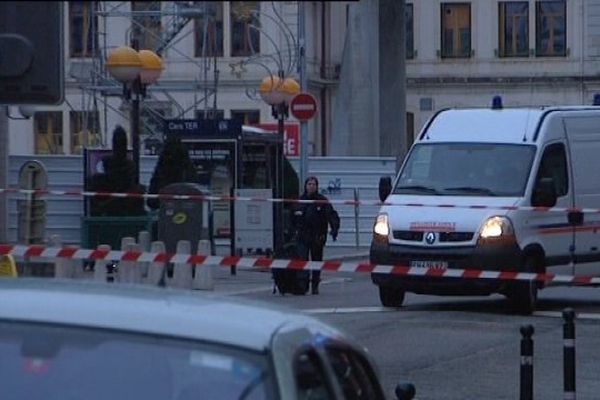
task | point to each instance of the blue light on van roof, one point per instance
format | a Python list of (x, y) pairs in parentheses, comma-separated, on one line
[(497, 103), (596, 99)]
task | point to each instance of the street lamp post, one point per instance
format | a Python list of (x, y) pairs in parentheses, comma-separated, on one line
[(135, 70), (278, 92)]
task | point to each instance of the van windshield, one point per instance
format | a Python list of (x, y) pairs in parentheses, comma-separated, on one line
[(466, 169)]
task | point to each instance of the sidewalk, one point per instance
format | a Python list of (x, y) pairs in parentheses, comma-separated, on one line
[(259, 280), (330, 252), (345, 252)]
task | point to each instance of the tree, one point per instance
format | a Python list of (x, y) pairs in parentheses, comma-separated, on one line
[(118, 177)]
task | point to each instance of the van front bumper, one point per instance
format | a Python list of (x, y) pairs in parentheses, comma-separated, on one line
[(491, 257)]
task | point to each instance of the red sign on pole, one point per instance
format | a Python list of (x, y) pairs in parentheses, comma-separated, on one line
[(291, 140), (303, 106)]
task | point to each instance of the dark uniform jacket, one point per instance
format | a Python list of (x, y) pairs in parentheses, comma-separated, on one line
[(311, 219)]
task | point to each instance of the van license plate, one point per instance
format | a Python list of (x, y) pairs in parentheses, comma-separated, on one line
[(429, 264)]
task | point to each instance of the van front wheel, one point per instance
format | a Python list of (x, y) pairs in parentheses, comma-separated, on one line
[(391, 297), (523, 294)]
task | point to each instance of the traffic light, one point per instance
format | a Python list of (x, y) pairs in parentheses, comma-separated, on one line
[(31, 52)]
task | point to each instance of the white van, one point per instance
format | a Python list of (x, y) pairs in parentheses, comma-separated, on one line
[(492, 166)]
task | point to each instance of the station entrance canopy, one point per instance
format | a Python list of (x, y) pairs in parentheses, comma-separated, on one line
[(230, 157)]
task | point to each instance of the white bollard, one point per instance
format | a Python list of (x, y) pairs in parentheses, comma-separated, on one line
[(127, 240), (144, 242), (61, 266), (203, 278), (156, 270), (100, 273), (76, 266), (182, 272), (129, 271)]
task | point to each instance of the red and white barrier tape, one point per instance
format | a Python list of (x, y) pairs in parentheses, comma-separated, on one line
[(284, 200), (265, 262)]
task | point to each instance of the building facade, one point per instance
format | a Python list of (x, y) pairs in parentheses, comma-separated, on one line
[(458, 53), (533, 52), (214, 55)]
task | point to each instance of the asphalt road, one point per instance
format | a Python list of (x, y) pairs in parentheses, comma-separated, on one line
[(450, 347)]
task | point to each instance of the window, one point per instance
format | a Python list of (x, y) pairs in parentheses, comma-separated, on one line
[(244, 28), (85, 130), (210, 114), (146, 28), (246, 117), (83, 29), (208, 30), (554, 165), (551, 28), (48, 129), (409, 23), (456, 30), (513, 24)]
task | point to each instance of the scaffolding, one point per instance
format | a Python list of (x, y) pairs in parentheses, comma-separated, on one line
[(171, 19), (96, 85)]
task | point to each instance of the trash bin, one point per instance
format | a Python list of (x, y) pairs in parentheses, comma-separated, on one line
[(184, 219)]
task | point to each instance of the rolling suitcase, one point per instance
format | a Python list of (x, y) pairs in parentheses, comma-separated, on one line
[(290, 280)]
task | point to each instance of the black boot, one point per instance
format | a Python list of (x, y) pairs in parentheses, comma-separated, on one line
[(314, 287)]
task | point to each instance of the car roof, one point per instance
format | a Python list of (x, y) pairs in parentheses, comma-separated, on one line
[(147, 309)]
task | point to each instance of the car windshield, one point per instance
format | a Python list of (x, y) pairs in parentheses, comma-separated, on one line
[(466, 169), (49, 362)]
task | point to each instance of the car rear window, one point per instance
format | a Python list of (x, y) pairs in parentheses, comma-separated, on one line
[(48, 362)]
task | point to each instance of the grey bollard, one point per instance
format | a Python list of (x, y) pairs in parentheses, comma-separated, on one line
[(182, 272), (569, 354), (156, 270), (100, 266), (144, 242), (203, 278)]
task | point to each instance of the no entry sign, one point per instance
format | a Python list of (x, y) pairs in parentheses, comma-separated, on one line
[(303, 106)]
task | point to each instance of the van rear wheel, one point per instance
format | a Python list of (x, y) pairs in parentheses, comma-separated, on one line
[(523, 294), (391, 297)]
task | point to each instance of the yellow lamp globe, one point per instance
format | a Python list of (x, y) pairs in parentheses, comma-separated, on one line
[(124, 64), (290, 88), (151, 66), (270, 90)]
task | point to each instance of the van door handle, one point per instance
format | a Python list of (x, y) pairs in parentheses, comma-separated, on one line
[(575, 217)]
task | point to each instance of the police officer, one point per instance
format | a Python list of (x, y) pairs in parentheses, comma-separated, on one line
[(310, 224)]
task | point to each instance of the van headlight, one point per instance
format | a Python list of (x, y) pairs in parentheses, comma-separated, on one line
[(382, 226), (497, 229)]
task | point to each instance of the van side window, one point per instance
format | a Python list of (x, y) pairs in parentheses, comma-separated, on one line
[(554, 165)]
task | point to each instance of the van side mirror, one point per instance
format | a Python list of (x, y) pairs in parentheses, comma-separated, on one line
[(544, 193), (405, 391), (385, 187)]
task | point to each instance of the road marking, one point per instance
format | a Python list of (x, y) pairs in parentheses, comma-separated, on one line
[(348, 310), (270, 287), (558, 314)]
